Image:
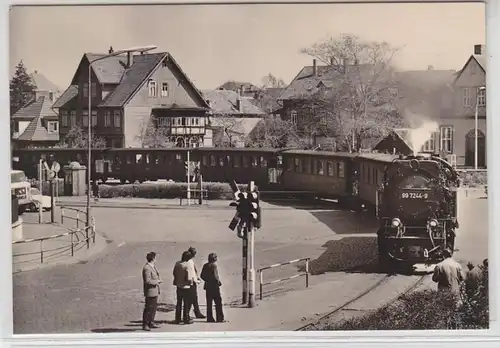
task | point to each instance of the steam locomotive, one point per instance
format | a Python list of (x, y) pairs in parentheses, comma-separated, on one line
[(417, 210)]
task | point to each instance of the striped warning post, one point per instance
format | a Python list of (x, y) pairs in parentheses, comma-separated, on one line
[(305, 273)]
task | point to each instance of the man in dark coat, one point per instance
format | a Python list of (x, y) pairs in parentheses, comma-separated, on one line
[(194, 287), (210, 276), (151, 284)]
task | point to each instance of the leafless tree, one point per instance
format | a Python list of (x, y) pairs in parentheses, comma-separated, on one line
[(358, 99), (230, 130), (271, 81), (152, 135), (273, 132), (77, 137)]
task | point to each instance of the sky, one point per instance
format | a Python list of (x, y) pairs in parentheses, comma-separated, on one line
[(217, 43)]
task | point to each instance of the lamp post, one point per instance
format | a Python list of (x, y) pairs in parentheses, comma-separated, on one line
[(476, 116), (141, 49)]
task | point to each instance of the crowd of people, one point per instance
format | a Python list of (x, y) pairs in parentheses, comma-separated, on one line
[(186, 280)]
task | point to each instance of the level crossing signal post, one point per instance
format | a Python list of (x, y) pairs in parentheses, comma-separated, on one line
[(247, 219)]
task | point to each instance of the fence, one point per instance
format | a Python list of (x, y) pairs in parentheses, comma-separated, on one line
[(78, 237), (261, 274)]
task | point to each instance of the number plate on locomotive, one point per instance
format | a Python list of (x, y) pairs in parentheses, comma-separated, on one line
[(414, 195)]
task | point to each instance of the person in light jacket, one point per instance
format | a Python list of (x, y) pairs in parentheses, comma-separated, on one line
[(151, 287), (184, 278), (210, 276), (448, 274), (194, 287)]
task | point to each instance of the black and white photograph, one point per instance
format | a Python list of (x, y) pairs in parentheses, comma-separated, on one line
[(248, 167)]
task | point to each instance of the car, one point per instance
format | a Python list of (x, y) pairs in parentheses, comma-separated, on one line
[(36, 198), (20, 188)]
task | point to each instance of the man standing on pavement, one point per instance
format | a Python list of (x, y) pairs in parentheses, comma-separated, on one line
[(184, 277), (448, 274), (194, 288), (151, 283), (210, 276)]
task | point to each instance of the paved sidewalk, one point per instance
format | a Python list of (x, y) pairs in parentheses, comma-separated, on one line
[(283, 311)]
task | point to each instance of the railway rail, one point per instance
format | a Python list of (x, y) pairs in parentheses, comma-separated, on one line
[(413, 285)]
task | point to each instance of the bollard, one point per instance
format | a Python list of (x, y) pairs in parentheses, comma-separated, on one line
[(41, 250), (261, 280), (62, 216), (72, 246), (307, 273), (52, 205), (77, 220), (93, 230)]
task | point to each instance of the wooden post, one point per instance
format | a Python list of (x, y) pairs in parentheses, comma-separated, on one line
[(200, 186), (72, 246), (41, 250), (261, 280), (52, 205), (307, 273), (93, 230)]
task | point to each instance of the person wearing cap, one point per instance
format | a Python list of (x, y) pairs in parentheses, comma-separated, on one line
[(151, 287), (194, 287), (210, 276), (448, 274), (184, 277)]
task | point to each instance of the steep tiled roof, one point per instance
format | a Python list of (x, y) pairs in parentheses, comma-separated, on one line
[(70, 93), (43, 83), (235, 86), (225, 102), (481, 60), (242, 126), (133, 78), (109, 70), (41, 107), (306, 83), (35, 131)]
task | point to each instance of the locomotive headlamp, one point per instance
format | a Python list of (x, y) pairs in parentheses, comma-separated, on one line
[(396, 222), (433, 223), (414, 164)]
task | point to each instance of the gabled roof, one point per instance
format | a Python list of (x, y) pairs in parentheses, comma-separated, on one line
[(225, 102), (35, 131), (134, 77), (68, 95), (41, 107), (43, 83), (234, 86), (241, 126), (306, 83), (480, 59), (109, 70)]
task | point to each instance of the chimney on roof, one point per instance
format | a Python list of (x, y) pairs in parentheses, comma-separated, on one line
[(479, 49), (238, 105), (129, 59), (36, 71), (315, 68), (111, 50)]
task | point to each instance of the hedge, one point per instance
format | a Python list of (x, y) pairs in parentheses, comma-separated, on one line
[(473, 178), (428, 310), (216, 190)]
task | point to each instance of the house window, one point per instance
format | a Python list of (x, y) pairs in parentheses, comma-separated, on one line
[(152, 88), (72, 119), (117, 119), (446, 135), (163, 121), (94, 118), (94, 89), (466, 97), (85, 118), (85, 90), (481, 97), (164, 89), (430, 145), (53, 126), (107, 118), (293, 117), (64, 118)]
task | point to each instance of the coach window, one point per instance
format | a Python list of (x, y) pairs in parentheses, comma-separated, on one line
[(296, 165), (289, 164), (307, 165), (312, 168), (178, 157), (166, 159), (212, 161), (204, 160), (237, 161), (340, 169), (263, 162), (329, 168), (254, 162), (321, 171), (146, 158), (157, 159), (245, 161), (221, 161), (229, 161)]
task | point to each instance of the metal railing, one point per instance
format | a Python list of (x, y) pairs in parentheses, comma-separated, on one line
[(78, 237), (261, 274)]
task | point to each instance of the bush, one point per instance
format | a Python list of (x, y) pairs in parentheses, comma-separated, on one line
[(429, 309), (473, 178), (216, 190)]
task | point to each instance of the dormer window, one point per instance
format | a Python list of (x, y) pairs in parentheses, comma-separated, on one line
[(152, 88)]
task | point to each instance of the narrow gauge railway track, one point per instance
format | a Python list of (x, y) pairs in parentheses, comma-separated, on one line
[(365, 293)]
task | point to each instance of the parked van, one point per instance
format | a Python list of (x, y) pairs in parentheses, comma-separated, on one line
[(21, 188)]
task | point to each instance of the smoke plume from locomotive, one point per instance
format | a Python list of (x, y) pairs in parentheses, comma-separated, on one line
[(418, 136)]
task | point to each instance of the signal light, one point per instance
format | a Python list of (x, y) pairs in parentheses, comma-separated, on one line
[(255, 211), (396, 222), (433, 223)]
